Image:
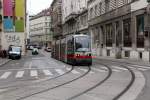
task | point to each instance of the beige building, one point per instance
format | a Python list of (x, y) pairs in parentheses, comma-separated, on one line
[(74, 16), (40, 25)]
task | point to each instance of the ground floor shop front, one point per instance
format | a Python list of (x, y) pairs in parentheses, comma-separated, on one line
[(122, 37)]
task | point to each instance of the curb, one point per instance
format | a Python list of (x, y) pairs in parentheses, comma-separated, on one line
[(124, 61), (136, 88)]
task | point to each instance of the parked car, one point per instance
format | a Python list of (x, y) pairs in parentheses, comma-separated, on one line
[(14, 52), (48, 49), (35, 51)]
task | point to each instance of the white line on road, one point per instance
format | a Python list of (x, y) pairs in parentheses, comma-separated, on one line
[(68, 68), (75, 72), (116, 70), (141, 66), (91, 72), (19, 74), (47, 72), (142, 69), (5, 75), (33, 73), (99, 70), (30, 65), (85, 70), (103, 68), (60, 71), (117, 67)]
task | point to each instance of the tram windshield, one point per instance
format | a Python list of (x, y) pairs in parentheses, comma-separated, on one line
[(82, 44)]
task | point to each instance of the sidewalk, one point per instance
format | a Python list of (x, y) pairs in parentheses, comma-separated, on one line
[(3, 61), (124, 60)]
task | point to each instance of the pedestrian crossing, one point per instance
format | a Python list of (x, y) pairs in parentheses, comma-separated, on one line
[(18, 74)]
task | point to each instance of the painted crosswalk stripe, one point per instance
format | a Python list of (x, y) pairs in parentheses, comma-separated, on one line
[(142, 69), (19, 74), (47, 72), (68, 68), (146, 67), (33, 73), (91, 72), (116, 70), (60, 71), (75, 72), (117, 67), (5, 75), (104, 68), (99, 70), (85, 70)]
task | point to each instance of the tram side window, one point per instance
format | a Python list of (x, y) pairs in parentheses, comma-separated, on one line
[(70, 46)]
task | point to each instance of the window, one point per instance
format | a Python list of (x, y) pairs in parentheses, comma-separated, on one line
[(140, 31), (109, 33), (100, 8), (107, 4), (127, 33), (91, 13)]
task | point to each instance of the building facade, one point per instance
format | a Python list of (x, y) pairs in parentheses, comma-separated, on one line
[(117, 28), (13, 23), (74, 16), (40, 25), (56, 7)]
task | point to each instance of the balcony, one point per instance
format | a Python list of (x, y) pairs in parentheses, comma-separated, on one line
[(71, 17), (124, 10)]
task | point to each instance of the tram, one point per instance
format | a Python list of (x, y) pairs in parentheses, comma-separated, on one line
[(73, 49)]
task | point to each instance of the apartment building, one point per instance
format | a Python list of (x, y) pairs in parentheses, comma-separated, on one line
[(56, 7), (40, 25), (74, 16), (118, 28)]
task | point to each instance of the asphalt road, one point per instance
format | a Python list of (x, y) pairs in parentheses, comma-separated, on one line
[(40, 77)]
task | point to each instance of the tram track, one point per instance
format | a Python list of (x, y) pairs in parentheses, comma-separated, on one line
[(103, 82), (98, 84), (62, 84), (128, 86), (131, 81), (33, 82), (125, 65)]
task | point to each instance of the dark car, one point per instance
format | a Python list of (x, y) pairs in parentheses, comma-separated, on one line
[(14, 52), (48, 49)]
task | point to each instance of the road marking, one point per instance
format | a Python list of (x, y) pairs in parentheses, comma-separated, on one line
[(117, 67), (33, 73), (142, 69), (99, 70), (68, 68), (60, 71), (19, 74), (85, 70), (104, 68), (141, 66), (91, 72), (5, 75), (75, 72), (30, 65), (47, 72), (116, 70)]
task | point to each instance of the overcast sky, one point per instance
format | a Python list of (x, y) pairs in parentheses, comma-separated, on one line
[(35, 6)]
